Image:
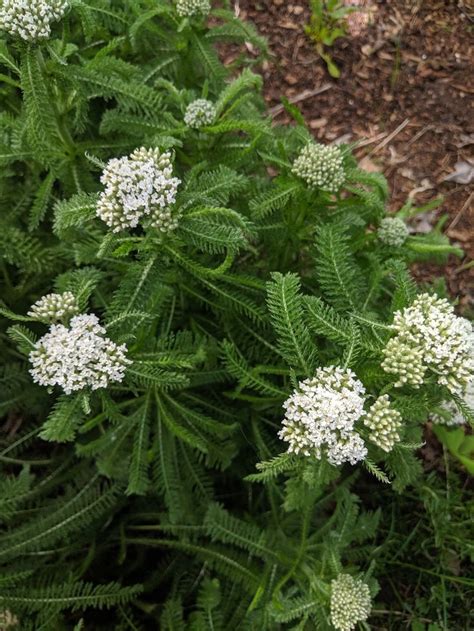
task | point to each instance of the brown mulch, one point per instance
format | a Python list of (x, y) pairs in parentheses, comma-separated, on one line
[(405, 91)]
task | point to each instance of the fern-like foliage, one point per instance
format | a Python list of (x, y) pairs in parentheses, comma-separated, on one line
[(43, 134), (336, 269), (75, 596), (285, 305)]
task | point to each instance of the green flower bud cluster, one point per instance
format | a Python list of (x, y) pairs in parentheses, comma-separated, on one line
[(189, 8), (406, 362), (392, 231), (350, 602), (384, 423), (200, 113), (321, 166), (54, 307)]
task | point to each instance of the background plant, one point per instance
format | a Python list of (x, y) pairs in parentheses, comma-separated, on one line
[(327, 24)]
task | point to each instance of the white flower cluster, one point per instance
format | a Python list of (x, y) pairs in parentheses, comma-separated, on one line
[(78, 357), (321, 414), (350, 602), (321, 166), (200, 113), (139, 187), (393, 231), (30, 19), (384, 423), (7, 620), (54, 307), (429, 336), (450, 415), (188, 8)]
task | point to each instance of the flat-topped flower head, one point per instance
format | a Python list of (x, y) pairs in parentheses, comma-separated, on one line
[(77, 357), (320, 416), (200, 113), (384, 423), (393, 231), (139, 188), (54, 307), (430, 337), (321, 166), (350, 602), (30, 19), (190, 8)]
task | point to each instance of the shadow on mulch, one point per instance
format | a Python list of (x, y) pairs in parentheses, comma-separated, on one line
[(405, 93)]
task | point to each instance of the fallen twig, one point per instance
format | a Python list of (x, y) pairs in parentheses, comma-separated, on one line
[(390, 137), (461, 211), (419, 134)]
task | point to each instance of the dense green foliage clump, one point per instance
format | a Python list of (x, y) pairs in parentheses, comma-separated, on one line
[(174, 269)]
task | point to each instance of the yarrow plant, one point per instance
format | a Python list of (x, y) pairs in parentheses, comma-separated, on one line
[(268, 280), (350, 602), (200, 113), (31, 19), (321, 166), (54, 307), (77, 357), (430, 337), (321, 414), (190, 8), (393, 231), (140, 187)]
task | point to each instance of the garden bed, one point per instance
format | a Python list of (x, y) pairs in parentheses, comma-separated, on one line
[(405, 93)]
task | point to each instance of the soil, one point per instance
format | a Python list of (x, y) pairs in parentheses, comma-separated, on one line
[(405, 94)]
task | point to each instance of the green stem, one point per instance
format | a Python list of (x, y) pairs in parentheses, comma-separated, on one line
[(301, 551), (33, 463), (6, 276), (97, 420), (454, 579)]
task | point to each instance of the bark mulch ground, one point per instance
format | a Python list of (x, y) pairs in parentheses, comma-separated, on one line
[(405, 93)]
